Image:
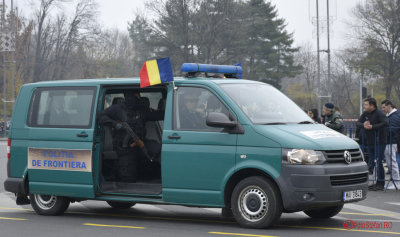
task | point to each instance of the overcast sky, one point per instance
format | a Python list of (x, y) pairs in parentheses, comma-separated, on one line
[(297, 13)]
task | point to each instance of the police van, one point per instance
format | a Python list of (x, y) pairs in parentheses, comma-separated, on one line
[(230, 143)]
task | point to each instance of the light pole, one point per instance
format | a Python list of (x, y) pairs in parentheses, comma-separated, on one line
[(318, 65), (13, 39), (7, 36), (4, 64), (329, 47)]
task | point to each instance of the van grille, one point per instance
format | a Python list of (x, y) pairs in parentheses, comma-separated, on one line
[(337, 156), (338, 180)]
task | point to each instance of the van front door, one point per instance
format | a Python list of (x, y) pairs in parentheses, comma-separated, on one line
[(195, 157), (61, 141)]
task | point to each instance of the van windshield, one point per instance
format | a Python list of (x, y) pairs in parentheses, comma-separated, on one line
[(263, 104)]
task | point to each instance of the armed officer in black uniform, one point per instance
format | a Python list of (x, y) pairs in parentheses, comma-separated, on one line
[(139, 112), (115, 117), (128, 119)]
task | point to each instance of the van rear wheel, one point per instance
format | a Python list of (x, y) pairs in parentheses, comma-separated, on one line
[(256, 203), (325, 212), (49, 205), (121, 205)]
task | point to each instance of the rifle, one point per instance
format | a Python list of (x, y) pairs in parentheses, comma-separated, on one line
[(137, 141)]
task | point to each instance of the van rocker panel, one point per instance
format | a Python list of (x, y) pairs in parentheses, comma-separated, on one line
[(193, 197), (62, 189)]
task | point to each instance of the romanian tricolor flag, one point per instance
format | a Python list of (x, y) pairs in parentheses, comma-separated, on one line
[(156, 72)]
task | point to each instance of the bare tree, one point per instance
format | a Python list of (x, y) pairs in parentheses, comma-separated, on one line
[(43, 37), (56, 37), (345, 85), (378, 28), (70, 33)]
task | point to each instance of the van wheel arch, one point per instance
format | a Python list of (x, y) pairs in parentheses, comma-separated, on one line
[(239, 176), (256, 202), (49, 205), (26, 185)]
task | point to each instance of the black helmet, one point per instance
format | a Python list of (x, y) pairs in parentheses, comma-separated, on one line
[(117, 112), (133, 101)]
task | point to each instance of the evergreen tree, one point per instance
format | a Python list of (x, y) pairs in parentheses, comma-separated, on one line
[(142, 36), (270, 52), (220, 32)]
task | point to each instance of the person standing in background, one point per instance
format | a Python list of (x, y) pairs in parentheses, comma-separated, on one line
[(374, 125), (331, 118), (393, 116), (313, 113)]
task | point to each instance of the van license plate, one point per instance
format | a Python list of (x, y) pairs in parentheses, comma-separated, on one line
[(352, 195)]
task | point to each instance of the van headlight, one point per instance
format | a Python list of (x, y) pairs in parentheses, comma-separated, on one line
[(303, 157)]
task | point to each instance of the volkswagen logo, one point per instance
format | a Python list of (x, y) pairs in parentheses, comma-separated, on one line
[(347, 157)]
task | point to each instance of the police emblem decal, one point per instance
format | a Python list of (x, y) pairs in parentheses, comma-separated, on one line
[(347, 157)]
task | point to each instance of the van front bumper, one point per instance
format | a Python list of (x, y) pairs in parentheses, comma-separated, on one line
[(314, 186)]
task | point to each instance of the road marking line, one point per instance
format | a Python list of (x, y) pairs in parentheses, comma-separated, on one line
[(15, 219), (114, 226), (394, 203), (372, 210), (341, 229), (239, 234), (130, 216), (372, 220), (14, 208), (364, 214), (185, 219)]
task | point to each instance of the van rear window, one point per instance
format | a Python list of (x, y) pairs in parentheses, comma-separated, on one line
[(70, 107)]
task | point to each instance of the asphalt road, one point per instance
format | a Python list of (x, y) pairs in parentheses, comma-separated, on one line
[(378, 215), (3, 163)]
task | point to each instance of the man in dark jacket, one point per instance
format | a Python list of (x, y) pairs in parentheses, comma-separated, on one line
[(393, 116), (139, 112), (332, 118), (374, 126)]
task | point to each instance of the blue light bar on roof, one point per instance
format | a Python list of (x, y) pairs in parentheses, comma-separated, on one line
[(225, 69)]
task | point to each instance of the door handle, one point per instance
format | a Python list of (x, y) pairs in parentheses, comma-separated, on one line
[(82, 135), (174, 137)]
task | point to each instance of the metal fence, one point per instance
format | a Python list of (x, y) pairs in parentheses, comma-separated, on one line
[(379, 147)]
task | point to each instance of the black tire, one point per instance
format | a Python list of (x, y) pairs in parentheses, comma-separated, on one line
[(121, 205), (325, 212), (49, 205), (256, 203)]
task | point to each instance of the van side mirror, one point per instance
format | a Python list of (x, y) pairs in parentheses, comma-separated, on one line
[(219, 120)]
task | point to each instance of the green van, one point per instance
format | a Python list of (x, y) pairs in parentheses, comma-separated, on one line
[(248, 149)]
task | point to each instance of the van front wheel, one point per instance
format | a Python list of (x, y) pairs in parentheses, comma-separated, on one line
[(256, 203), (49, 205)]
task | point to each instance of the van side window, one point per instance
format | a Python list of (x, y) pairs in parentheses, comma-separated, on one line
[(62, 107), (191, 107)]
